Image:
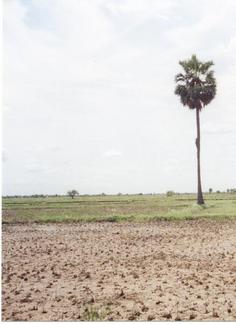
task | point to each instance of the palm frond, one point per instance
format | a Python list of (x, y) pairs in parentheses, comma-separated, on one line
[(205, 66), (180, 77)]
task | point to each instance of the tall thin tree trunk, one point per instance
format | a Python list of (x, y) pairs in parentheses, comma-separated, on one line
[(200, 199)]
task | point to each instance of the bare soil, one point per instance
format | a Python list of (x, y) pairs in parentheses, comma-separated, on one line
[(182, 270)]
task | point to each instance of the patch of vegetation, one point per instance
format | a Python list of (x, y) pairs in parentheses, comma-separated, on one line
[(117, 208), (170, 193), (93, 314)]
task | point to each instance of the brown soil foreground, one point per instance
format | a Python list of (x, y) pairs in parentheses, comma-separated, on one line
[(148, 271)]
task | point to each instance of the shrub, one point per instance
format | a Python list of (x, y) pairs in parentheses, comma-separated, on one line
[(170, 193)]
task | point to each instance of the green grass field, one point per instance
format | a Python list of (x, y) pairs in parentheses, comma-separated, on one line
[(117, 208)]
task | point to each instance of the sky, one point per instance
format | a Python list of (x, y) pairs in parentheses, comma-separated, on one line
[(89, 100)]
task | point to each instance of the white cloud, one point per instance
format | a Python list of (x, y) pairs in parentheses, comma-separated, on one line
[(141, 8), (83, 76), (218, 129), (112, 153)]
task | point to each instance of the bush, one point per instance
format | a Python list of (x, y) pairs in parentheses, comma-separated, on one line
[(170, 193)]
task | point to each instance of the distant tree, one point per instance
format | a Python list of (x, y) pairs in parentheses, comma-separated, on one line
[(72, 193), (196, 88), (218, 191), (210, 190)]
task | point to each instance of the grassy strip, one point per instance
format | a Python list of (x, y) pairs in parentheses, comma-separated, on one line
[(148, 208)]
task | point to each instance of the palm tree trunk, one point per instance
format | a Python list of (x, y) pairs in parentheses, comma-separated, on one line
[(200, 200)]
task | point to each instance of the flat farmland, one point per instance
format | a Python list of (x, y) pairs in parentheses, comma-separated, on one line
[(117, 208), (119, 258)]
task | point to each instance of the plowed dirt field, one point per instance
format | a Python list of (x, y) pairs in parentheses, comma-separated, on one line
[(178, 270)]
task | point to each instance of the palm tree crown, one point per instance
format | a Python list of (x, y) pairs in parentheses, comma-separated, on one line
[(197, 86)]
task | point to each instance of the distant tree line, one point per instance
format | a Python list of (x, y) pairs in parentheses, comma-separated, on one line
[(231, 190), (30, 196), (74, 193)]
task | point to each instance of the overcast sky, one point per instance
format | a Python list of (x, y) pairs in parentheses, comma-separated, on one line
[(89, 98)]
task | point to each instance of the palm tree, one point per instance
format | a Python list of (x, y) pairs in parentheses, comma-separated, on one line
[(196, 88)]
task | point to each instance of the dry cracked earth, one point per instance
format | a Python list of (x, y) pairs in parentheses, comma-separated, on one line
[(128, 271)]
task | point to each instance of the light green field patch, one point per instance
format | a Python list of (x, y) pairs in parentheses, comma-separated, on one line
[(117, 208)]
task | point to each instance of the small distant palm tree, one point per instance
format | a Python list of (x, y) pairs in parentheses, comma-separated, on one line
[(196, 88)]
